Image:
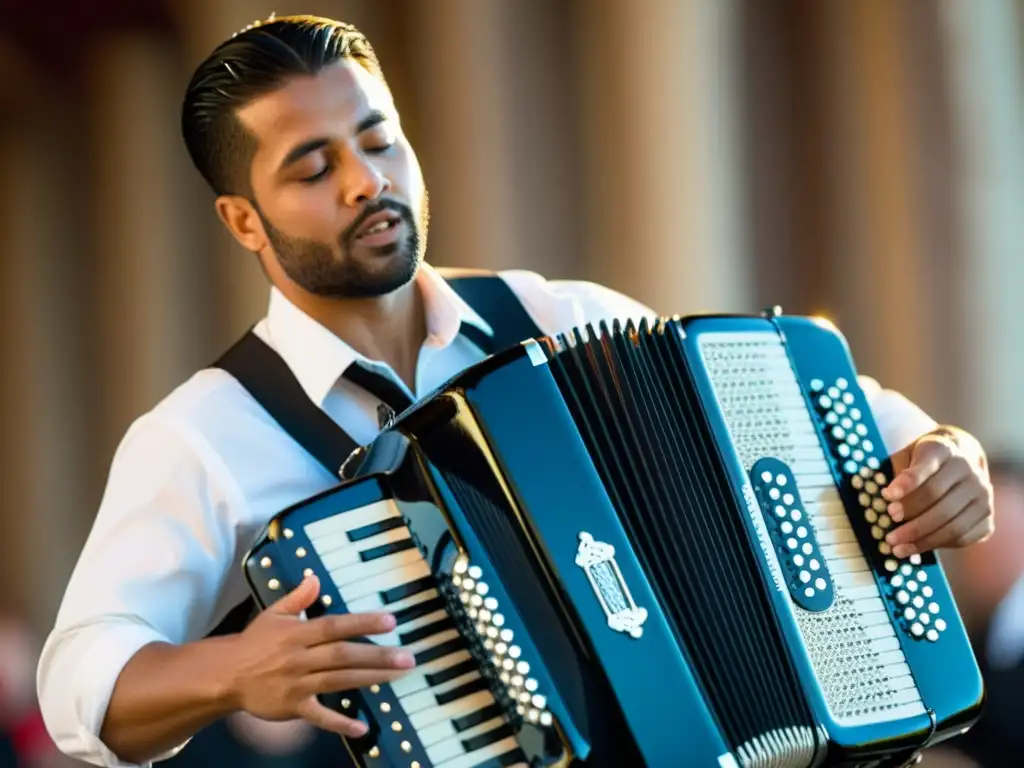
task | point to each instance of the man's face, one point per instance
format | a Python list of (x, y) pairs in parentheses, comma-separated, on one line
[(339, 190)]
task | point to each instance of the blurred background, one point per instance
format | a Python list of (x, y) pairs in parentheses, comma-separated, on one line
[(862, 160)]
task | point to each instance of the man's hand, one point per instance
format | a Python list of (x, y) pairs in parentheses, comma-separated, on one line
[(941, 494), (282, 661)]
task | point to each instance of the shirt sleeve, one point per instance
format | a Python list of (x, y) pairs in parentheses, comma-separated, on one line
[(900, 421), (559, 305), (150, 571)]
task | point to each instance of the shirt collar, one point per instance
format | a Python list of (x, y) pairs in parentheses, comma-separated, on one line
[(318, 358)]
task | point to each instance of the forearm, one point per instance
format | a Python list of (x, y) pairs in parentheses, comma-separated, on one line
[(167, 693)]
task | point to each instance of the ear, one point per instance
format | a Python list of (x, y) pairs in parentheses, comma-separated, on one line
[(242, 221)]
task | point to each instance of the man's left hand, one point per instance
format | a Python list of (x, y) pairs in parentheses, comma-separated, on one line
[(941, 493)]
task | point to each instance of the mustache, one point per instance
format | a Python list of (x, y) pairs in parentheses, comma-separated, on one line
[(372, 208)]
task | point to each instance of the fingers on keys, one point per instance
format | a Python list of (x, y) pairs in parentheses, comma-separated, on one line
[(326, 718), (349, 655)]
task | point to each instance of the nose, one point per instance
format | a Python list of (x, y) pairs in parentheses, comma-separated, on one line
[(362, 180)]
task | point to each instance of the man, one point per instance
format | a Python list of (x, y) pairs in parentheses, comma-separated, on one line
[(292, 124)]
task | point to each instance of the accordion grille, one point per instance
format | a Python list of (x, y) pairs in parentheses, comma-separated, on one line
[(493, 524), (852, 645), (633, 400)]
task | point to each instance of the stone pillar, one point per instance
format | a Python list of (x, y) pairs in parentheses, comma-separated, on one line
[(878, 285), (666, 222), (985, 66), (44, 392)]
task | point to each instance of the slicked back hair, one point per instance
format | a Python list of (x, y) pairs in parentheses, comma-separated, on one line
[(250, 64)]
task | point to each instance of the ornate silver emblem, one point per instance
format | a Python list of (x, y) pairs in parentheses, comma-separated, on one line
[(597, 559)]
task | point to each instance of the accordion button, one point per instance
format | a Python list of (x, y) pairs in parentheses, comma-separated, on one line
[(265, 562), (940, 625)]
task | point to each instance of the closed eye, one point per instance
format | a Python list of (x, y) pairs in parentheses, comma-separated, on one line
[(317, 176)]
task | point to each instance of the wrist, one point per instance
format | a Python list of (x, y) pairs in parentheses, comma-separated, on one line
[(225, 680), (967, 443)]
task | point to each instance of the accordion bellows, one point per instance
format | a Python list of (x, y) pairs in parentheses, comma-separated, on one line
[(659, 544)]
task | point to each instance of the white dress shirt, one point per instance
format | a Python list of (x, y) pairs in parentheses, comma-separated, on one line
[(195, 479)]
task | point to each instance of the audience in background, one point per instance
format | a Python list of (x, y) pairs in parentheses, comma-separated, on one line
[(24, 742), (988, 583)]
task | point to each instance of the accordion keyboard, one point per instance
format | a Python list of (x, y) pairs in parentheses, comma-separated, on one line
[(375, 566), (853, 645)]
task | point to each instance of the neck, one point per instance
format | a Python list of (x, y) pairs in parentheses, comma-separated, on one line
[(390, 328)]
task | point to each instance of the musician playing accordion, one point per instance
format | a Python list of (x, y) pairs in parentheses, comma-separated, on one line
[(294, 128)]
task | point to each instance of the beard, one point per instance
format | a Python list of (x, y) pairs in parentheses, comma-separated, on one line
[(344, 270)]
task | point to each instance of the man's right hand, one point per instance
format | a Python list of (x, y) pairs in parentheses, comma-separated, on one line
[(282, 661)]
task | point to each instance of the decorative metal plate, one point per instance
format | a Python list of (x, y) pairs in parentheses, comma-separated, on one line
[(597, 559)]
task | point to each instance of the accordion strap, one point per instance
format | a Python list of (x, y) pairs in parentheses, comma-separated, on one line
[(272, 384)]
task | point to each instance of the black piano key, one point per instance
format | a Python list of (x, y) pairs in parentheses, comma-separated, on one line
[(458, 670), (439, 651), (395, 594), (512, 757), (382, 526), (420, 609), (429, 630), (480, 716), (493, 735), (480, 684), (386, 549)]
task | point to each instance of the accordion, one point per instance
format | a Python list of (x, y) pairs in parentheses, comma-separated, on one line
[(657, 543)]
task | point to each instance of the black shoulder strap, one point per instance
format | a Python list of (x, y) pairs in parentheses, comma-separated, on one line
[(493, 299), (272, 384)]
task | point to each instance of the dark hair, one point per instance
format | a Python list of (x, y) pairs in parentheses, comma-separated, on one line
[(251, 63)]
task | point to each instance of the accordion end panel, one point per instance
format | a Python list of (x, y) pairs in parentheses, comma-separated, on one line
[(622, 634), (881, 649)]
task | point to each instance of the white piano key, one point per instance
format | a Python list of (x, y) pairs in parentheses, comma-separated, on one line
[(414, 571), (906, 696), (841, 551), (861, 593), (903, 682), (373, 603), (452, 711), (853, 579), (491, 751), (349, 574), (832, 536), (452, 746), (416, 680), (420, 700), (340, 541), (885, 644), (879, 631), (422, 621), (343, 557), (891, 657), (878, 618), (810, 481), (868, 605), (848, 565), (392, 639), (354, 518), (832, 507)]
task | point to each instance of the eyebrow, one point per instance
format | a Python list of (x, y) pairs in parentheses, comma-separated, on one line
[(298, 152)]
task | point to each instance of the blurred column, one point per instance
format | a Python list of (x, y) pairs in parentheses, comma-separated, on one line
[(666, 220), (494, 117), (880, 287), (148, 270), (44, 395), (985, 59)]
